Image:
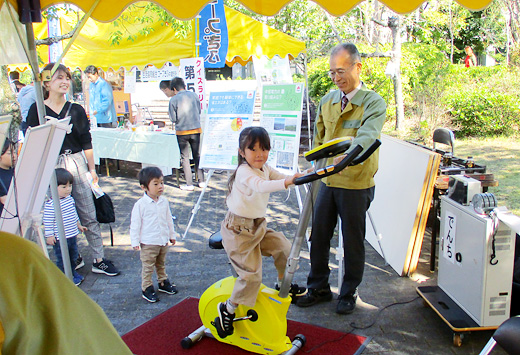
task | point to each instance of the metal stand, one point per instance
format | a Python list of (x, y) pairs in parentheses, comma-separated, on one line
[(197, 205)]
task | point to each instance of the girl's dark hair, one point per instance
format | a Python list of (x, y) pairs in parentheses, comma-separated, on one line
[(248, 138), (63, 176), (6, 146), (62, 68), (146, 175)]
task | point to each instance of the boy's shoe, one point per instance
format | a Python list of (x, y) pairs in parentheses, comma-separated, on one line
[(166, 287), (224, 321), (106, 267), (149, 294), (314, 296), (78, 279), (187, 187), (202, 184), (79, 262)]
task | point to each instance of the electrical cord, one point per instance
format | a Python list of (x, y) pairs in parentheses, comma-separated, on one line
[(496, 222), (353, 325)]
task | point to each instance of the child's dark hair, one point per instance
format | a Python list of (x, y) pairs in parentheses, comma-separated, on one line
[(6, 146), (248, 138), (63, 176), (146, 175)]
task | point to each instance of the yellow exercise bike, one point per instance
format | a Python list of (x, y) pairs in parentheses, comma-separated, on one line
[(263, 329)]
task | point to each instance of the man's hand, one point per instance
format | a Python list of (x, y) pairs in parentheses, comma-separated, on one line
[(173, 241), (136, 248), (50, 240), (338, 159)]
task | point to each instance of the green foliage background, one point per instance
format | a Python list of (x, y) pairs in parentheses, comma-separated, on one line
[(478, 101)]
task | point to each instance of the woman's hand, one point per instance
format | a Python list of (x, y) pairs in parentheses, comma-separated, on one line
[(95, 178)]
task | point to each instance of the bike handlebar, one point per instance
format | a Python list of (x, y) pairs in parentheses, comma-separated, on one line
[(349, 160)]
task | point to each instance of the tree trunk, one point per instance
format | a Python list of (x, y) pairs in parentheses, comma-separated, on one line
[(394, 25)]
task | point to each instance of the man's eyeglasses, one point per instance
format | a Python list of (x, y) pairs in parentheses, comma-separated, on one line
[(340, 72)]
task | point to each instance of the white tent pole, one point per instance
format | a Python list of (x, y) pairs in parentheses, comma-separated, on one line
[(307, 99), (33, 61), (77, 30)]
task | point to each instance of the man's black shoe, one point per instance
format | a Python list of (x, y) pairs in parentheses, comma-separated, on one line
[(346, 304), (314, 296)]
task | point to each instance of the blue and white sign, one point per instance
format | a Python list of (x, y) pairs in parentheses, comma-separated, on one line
[(228, 114), (213, 35)]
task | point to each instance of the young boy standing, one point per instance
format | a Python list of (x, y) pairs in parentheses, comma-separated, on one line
[(151, 228), (70, 223)]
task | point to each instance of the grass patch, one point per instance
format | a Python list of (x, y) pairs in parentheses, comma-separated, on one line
[(501, 156)]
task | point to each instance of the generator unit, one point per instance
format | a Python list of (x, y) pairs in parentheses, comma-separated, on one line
[(476, 262)]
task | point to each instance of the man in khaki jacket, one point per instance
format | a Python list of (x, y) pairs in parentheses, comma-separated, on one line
[(352, 110)]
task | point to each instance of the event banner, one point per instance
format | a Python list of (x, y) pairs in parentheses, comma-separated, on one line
[(228, 113), (281, 116), (213, 34), (192, 71)]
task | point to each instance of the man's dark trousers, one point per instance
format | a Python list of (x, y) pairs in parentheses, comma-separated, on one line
[(351, 205)]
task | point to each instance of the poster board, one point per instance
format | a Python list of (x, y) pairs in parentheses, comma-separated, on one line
[(404, 188), (33, 173), (228, 113), (281, 116)]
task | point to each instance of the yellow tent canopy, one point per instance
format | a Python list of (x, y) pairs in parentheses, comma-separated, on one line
[(108, 10), (247, 37)]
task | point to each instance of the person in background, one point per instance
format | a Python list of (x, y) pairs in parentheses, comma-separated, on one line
[(352, 110), (165, 88), (77, 156), (7, 163), (70, 223), (151, 228), (26, 97), (471, 58), (184, 111), (101, 99)]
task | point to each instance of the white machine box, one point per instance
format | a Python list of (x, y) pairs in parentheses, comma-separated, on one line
[(476, 262)]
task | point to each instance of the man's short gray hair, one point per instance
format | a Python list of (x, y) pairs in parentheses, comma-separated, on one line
[(350, 48)]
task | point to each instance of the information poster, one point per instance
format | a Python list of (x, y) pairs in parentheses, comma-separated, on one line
[(228, 113), (281, 116), (272, 71)]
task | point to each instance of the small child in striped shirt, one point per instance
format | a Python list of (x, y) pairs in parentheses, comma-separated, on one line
[(70, 222)]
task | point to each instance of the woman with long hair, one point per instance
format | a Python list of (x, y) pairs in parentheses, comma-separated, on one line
[(77, 157)]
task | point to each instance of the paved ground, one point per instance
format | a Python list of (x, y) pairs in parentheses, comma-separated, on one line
[(404, 328)]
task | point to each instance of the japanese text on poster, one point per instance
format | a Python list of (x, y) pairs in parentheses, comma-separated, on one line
[(281, 116), (228, 113)]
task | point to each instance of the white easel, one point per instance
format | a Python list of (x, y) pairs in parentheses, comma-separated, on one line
[(34, 172)]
